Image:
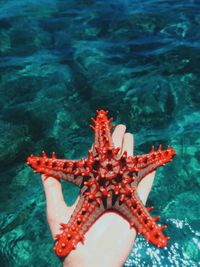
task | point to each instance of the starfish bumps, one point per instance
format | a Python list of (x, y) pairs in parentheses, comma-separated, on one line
[(107, 181)]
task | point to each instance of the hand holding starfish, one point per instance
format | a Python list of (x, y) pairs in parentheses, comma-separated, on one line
[(110, 239)]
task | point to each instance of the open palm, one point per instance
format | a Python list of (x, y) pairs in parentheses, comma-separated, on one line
[(109, 241)]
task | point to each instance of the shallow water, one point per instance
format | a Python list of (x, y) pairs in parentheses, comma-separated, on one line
[(62, 60)]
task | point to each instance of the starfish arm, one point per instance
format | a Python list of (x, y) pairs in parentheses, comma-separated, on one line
[(102, 129), (69, 170), (85, 214), (134, 211), (145, 164)]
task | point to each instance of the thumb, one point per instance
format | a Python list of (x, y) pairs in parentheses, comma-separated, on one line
[(53, 191), (56, 209)]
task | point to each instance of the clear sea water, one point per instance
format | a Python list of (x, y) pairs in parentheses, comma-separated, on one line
[(62, 60)]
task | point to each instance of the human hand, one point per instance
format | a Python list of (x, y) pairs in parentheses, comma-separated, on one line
[(109, 241)]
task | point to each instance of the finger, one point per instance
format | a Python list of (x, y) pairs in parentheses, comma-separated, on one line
[(128, 144), (145, 186), (54, 194), (118, 135), (53, 190), (56, 209)]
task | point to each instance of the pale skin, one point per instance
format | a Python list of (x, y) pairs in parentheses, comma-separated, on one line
[(109, 241)]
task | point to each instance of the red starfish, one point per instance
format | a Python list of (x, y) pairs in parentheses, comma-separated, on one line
[(107, 181)]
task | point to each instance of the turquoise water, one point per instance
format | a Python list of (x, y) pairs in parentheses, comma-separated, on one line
[(62, 60)]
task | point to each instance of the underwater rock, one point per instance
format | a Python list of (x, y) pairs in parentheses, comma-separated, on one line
[(21, 179), (187, 206), (5, 45), (70, 145), (190, 249), (14, 142)]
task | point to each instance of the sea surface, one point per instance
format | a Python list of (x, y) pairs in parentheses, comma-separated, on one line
[(62, 60)]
